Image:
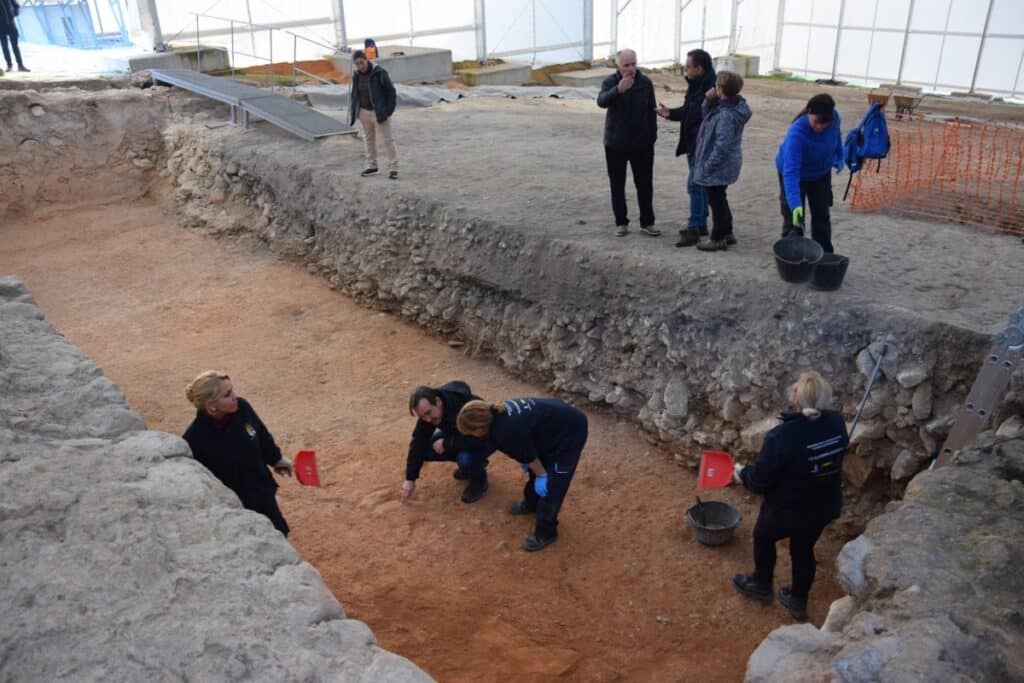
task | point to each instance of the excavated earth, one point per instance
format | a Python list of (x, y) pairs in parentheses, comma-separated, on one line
[(497, 238)]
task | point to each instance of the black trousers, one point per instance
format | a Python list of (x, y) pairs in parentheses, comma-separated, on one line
[(265, 503), (561, 466), (720, 212), (12, 36), (802, 533), (473, 464), (818, 196), (641, 161)]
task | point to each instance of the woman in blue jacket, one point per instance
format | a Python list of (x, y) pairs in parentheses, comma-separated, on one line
[(813, 146), (546, 437), (799, 472)]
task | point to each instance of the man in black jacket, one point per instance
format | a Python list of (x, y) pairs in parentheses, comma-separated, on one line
[(700, 78), (9, 34), (630, 130), (435, 439), (372, 100)]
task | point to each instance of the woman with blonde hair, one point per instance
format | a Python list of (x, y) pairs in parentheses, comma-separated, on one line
[(799, 471), (229, 438), (546, 437)]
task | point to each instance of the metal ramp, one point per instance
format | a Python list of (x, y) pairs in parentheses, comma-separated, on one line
[(283, 112)]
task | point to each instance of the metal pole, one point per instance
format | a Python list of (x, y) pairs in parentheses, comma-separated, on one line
[(270, 67), (677, 35), (295, 59), (199, 54), (480, 24), (867, 392), (614, 46), (412, 32), (340, 35), (149, 19), (533, 11), (906, 39), (981, 48), (871, 44), (839, 38), (780, 23), (231, 24), (734, 16), (703, 23), (588, 31), (942, 46), (1016, 80)]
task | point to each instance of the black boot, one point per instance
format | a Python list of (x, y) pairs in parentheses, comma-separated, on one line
[(21, 67), (460, 474), (796, 607), (520, 507), (533, 543), (752, 588), (688, 238), (475, 491)]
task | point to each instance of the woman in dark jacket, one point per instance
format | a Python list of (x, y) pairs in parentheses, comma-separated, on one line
[(546, 437), (9, 34), (229, 438), (799, 471)]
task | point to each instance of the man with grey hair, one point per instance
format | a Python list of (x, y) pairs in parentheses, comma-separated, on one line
[(630, 130)]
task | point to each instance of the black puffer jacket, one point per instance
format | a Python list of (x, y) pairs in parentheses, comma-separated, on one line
[(631, 121), (689, 114), (8, 11)]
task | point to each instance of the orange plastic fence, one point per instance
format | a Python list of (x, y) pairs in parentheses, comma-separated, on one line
[(965, 171)]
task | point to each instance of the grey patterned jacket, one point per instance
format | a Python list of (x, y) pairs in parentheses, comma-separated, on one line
[(718, 155)]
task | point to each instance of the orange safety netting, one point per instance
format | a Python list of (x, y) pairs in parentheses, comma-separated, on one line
[(949, 169)]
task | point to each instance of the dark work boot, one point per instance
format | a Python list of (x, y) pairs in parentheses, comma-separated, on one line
[(475, 491), (796, 607), (520, 507), (688, 238), (460, 474), (533, 543), (730, 239), (752, 588), (703, 232)]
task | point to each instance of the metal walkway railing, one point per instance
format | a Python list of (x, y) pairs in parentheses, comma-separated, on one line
[(284, 112)]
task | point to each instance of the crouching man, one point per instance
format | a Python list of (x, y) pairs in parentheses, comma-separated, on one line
[(435, 439)]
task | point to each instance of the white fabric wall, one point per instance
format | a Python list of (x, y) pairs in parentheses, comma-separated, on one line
[(942, 45)]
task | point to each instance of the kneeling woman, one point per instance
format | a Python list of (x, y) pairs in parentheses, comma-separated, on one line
[(229, 438), (546, 436), (799, 471)]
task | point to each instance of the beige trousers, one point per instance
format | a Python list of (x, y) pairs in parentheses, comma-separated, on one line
[(370, 131)]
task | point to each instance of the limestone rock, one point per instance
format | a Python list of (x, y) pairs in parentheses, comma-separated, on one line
[(1012, 427), (850, 566), (677, 399), (753, 436), (791, 653), (867, 430), (921, 403), (908, 463), (911, 376), (840, 612), (732, 409)]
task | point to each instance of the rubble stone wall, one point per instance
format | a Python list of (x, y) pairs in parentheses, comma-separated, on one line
[(125, 560)]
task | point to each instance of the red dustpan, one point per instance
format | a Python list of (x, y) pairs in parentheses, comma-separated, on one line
[(305, 468), (715, 470)]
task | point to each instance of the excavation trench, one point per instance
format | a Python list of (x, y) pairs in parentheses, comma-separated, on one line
[(102, 186)]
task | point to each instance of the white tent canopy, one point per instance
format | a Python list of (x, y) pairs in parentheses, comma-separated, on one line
[(940, 45)]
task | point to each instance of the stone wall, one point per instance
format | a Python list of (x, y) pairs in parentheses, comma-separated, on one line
[(126, 560), (934, 586), (703, 364)]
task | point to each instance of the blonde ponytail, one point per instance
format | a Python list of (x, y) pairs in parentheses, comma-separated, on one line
[(810, 394), (476, 417)]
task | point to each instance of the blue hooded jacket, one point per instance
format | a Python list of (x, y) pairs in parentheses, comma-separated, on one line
[(806, 155)]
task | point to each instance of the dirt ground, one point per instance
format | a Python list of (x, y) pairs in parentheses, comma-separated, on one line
[(626, 594)]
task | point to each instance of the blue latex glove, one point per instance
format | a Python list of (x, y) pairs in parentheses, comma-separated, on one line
[(838, 166), (540, 485), (524, 468)]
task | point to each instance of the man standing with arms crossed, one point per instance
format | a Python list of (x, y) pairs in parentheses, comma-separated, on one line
[(372, 100), (630, 130)]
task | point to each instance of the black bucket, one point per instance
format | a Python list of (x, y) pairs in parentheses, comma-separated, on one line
[(713, 522), (829, 273), (796, 257)]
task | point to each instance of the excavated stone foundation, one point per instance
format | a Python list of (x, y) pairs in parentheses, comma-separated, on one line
[(698, 353)]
